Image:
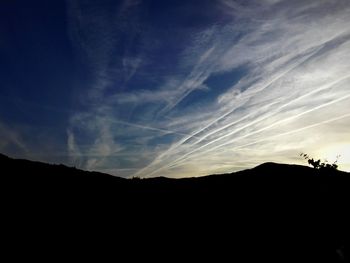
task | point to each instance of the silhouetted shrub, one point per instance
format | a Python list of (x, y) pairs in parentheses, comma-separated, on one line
[(317, 164)]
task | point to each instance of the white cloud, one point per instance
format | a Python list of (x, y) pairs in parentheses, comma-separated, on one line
[(296, 86), (303, 63)]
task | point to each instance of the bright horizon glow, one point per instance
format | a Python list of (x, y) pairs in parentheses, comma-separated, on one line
[(331, 152)]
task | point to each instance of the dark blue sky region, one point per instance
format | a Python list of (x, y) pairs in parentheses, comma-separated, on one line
[(174, 88)]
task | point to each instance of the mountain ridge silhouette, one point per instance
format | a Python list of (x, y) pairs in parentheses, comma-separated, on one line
[(260, 211)]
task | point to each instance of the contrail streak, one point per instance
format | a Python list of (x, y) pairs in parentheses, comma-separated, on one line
[(185, 139), (267, 116), (185, 156), (284, 120), (193, 80), (296, 130), (193, 135), (278, 77), (310, 52), (280, 135), (229, 124), (148, 127)]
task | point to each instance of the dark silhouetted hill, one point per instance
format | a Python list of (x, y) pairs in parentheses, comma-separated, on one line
[(273, 212)]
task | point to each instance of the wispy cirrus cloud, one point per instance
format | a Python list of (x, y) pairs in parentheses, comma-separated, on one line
[(10, 139), (267, 80), (96, 30)]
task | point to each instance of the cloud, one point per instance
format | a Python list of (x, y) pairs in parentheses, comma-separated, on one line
[(95, 29), (11, 141), (295, 58), (288, 67), (73, 150), (26, 141)]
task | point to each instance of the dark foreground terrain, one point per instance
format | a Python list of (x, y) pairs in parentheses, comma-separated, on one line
[(273, 212)]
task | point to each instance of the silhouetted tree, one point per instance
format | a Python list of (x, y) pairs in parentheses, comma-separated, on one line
[(317, 164)]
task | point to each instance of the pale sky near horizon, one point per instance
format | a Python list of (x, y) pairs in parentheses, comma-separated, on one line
[(175, 88)]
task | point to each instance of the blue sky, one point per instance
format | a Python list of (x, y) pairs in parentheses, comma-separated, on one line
[(174, 88)]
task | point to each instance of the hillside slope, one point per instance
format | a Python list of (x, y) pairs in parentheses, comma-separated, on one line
[(273, 212)]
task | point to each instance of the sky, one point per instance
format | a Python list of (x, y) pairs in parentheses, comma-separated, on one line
[(174, 88)]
